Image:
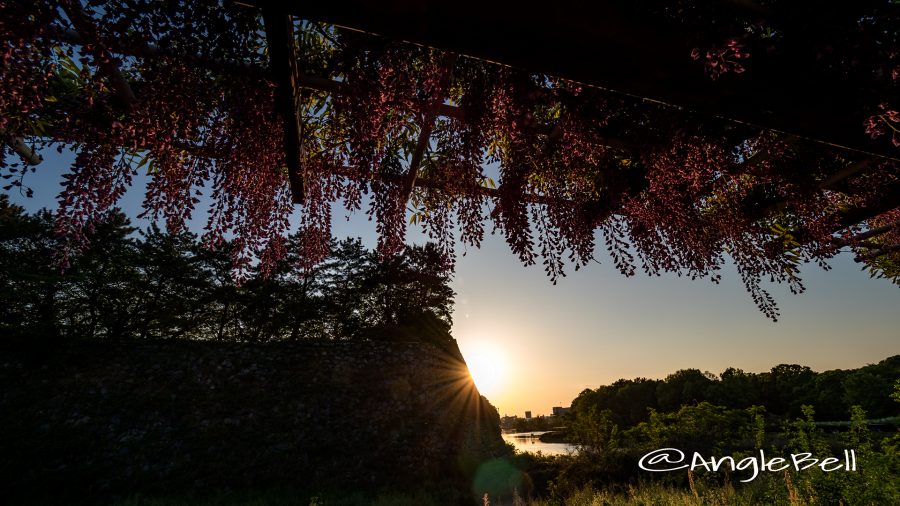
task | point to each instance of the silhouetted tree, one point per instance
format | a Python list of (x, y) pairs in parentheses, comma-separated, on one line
[(829, 395), (347, 274), (413, 295), (736, 389), (793, 387), (30, 283), (98, 297), (158, 285), (170, 287), (687, 386)]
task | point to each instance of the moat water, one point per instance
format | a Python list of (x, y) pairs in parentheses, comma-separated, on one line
[(530, 442)]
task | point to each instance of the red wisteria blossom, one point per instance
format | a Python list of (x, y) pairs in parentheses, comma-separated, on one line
[(182, 92)]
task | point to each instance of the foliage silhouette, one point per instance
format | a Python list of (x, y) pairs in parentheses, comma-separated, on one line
[(156, 285)]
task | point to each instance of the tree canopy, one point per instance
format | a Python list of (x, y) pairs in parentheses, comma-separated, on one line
[(782, 391), (150, 284), (267, 111)]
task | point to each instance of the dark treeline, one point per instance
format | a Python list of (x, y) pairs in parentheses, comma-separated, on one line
[(783, 392), (734, 415), (606, 466), (149, 284)]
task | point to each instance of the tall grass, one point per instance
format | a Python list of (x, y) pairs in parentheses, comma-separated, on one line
[(283, 497)]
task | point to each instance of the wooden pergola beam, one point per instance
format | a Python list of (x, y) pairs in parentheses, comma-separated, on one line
[(764, 156), (316, 83), (891, 200), (338, 87), (108, 64), (848, 171), (283, 67), (17, 144), (620, 46), (303, 81), (887, 201), (885, 250), (868, 234), (418, 154), (846, 218), (429, 184), (427, 125)]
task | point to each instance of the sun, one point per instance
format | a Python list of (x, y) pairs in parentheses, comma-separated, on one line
[(487, 366)]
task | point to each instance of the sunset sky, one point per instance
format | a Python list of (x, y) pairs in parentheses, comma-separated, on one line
[(596, 326)]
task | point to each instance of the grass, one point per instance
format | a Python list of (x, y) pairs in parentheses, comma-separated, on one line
[(294, 498)]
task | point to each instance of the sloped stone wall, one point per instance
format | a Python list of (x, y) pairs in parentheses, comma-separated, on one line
[(94, 420)]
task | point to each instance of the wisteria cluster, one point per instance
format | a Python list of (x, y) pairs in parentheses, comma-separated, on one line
[(721, 60), (887, 121), (181, 91)]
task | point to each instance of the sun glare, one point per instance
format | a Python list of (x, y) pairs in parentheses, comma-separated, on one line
[(487, 368)]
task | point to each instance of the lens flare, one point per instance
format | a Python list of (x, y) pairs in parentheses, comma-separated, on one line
[(487, 368)]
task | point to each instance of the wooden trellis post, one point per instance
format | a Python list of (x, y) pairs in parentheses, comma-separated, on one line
[(283, 66), (427, 126), (108, 64)]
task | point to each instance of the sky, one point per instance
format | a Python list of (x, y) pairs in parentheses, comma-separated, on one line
[(546, 343)]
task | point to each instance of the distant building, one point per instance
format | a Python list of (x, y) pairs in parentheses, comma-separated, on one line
[(528, 415), (559, 411)]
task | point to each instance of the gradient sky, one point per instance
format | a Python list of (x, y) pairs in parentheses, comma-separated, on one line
[(596, 326)]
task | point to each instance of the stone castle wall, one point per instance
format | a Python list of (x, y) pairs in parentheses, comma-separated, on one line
[(112, 419)]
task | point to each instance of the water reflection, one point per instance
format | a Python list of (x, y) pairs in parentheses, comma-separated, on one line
[(530, 442)]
